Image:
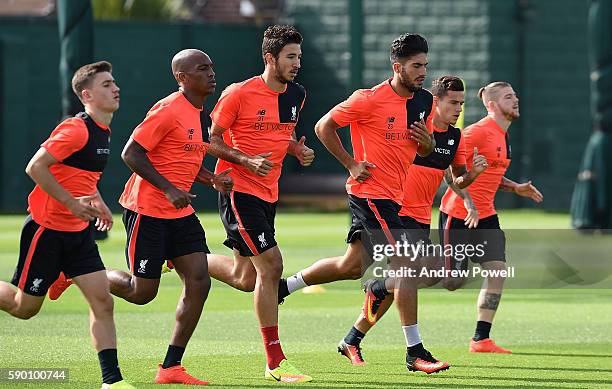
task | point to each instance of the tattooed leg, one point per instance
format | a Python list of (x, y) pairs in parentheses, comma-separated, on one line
[(491, 292)]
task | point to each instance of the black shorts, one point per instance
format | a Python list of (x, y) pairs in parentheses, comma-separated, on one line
[(44, 253), (488, 241), (151, 241), (248, 222), (418, 231)]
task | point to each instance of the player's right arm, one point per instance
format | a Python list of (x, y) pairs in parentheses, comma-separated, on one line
[(349, 111), (38, 170), (224, 115), (257, 164), (135, 157), (326, 131), (471, 220)]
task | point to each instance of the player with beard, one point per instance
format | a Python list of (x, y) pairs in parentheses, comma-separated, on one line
[(252, 132), (490, 137), (387, 125)]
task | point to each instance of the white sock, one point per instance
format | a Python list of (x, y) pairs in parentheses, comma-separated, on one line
[(412, 335), (295, 282)]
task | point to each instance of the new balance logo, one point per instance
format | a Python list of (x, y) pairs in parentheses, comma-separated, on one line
[(451, 142), (36, 284), (422, 115), (262, 240), (143, 264), (261, 112), (190, 133), (277, 341), (293, 113), (390, 121)]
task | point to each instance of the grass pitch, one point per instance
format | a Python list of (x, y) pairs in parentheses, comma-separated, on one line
[(560, 338)]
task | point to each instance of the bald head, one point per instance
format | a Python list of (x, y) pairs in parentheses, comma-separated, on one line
[(187, 60)]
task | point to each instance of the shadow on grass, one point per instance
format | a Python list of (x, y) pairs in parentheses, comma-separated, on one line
[(566, 355), (535, 368)]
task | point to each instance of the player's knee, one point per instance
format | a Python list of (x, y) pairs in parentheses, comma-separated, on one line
[(273, 271), (452, 284), (25, 313), (246, 283), (144, 296), (103, 305), (199, 285)]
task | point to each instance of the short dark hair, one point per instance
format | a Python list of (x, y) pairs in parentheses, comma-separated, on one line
[(407, 45), (84, 75), (278, 36), (441, 85)]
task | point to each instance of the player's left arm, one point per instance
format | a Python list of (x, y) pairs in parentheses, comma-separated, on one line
[(471, 220), (526, 189), (221, 182), (426, 141), (462, 177), (104, 222), (298, 149)]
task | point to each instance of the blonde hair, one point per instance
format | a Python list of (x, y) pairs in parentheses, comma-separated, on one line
[(490, 92)]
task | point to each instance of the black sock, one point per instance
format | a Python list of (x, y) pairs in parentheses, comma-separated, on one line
[(379, 289), (173, 356), (482, 330), (416, 350), (354, 337), (109, 366), (283, 290)]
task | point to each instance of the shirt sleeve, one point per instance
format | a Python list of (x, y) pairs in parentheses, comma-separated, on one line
[(226, 110), (429, 120), (459, 159), (68, 137), (154, 127), (350, 110)]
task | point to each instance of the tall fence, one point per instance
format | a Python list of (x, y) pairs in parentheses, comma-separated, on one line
[(539, 46)]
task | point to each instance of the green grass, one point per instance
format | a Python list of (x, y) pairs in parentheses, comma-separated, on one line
[(561, 338)]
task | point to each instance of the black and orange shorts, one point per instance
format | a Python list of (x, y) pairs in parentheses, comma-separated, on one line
[(44, 253), (248, 222), (151, 241)]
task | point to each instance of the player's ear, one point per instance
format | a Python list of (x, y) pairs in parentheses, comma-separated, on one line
[(85, 95), (269, 58), (397, 67)]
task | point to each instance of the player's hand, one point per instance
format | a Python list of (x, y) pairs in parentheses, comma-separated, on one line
[(81, 207), (222, 182), (528, 190), (359, 171), (104, 222), (179, 198), (471, 220), (259, 164), (418, 132), (480, 162), (303, 153)]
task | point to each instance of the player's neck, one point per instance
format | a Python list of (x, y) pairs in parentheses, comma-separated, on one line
[(99, 116), (501, 121), (439, 123), (272, 82), (400, 89), (195, 99)]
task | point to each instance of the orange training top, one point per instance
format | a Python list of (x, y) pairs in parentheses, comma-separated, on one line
[(426, 173), (258, 120), (379, 124), (492, 142), (81, 147), (172, 135)]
